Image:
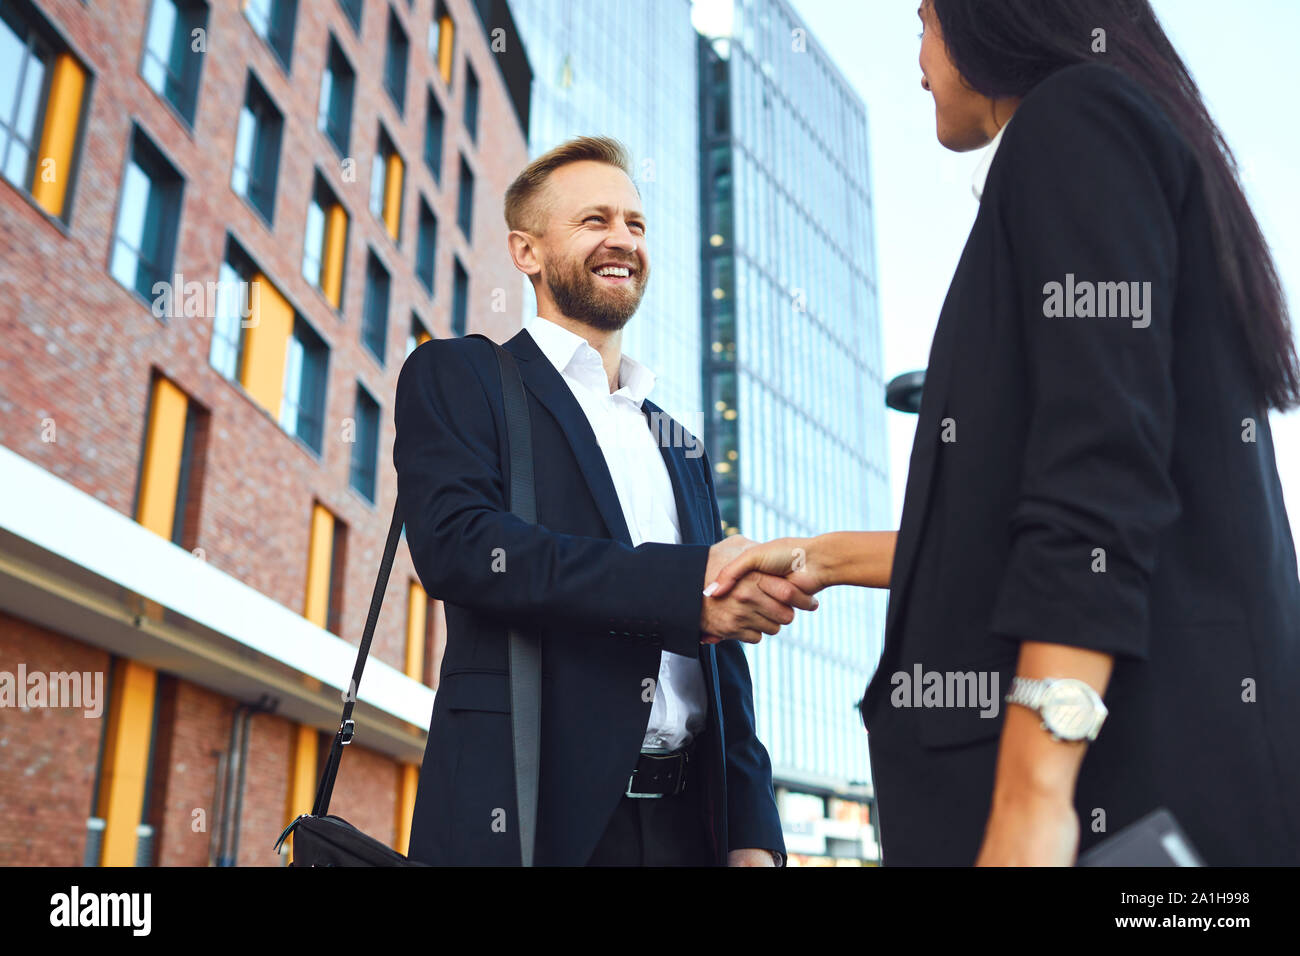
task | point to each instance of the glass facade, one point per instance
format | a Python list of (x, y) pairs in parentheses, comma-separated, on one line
[(760, 319), (630, 74), (792, 364)]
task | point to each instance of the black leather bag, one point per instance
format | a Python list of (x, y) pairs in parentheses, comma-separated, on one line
[(323, 839)]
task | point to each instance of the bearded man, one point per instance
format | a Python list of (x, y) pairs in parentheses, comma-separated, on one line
[(648, 752)]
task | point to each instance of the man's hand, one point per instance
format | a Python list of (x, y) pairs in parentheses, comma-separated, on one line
[(750, 858), (758, 604)]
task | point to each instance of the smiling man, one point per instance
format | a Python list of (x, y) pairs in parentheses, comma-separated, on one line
[(648, 749)]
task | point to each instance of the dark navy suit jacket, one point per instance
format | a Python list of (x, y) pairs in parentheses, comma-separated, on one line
[(1047, 444), (602, 610)]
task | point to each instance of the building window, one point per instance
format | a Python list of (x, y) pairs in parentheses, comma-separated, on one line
[(257, 150), (442, 41), (427, 246), (433, 123), (417, 629), (353, 9), (272, 20), (259, 341), (399, 51), (325, 244), (166, 470), (147, 219), (417, 336), (374, 326), (386, 175), (465, 200), (459, 300), (337, 84), (471, 102), (171, 65), (42, 95), (302, 405), (365, 449), (326, 551), (234, 312)]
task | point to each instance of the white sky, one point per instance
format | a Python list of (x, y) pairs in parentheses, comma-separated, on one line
[(1241, 54)]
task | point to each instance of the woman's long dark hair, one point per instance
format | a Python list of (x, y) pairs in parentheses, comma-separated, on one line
[(1004, 48)]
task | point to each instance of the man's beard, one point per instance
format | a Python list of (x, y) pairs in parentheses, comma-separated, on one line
[(576, 292)]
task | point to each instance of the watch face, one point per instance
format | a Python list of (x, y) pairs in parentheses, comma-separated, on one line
[(1068, 710)]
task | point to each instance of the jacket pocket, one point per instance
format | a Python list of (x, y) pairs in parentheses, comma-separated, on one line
[(475, 690), (970, 698)]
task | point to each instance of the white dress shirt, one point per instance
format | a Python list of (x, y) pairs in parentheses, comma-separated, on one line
[(982, 170), (645, 493)]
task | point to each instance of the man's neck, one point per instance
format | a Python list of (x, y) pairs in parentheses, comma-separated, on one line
[(608, 344)]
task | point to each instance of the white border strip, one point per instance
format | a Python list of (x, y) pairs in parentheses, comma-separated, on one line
[(53, 514)]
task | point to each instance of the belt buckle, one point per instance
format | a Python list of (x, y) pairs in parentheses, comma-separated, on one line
[(681, 781)]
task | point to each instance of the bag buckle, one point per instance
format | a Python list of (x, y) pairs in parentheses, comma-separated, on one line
[(346, 730)]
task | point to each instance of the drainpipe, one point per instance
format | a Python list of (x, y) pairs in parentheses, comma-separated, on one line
[(233, 802)]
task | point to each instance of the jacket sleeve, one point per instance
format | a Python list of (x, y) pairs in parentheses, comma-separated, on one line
[(1088, 195), (752, 818), (469, 549)]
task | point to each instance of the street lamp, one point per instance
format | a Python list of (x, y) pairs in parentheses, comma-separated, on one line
[(903, 393)]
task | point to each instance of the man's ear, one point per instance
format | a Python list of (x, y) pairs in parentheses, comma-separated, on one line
[(523, 252)]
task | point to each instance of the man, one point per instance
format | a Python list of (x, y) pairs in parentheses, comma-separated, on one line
[(648, 749)]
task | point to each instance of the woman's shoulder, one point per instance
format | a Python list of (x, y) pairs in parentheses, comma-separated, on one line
[(1093, 106), (1090, 93)]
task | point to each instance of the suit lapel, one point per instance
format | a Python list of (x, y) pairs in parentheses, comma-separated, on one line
[(686, 490), (541, 378), (920, 472)]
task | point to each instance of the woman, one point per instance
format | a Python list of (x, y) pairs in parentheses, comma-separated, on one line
[(1092, 497)]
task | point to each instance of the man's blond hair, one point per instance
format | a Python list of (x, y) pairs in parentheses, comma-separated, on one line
[(522, 207)]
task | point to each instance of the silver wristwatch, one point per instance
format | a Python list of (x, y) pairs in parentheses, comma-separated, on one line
[(1071, 710)]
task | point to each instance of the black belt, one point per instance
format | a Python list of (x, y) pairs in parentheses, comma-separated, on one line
[(660, 774)]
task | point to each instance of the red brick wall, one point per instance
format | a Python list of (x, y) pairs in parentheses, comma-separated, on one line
[(48, 755), (77, 349)]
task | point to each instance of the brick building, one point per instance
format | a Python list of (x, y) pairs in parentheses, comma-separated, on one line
[(223, 226)]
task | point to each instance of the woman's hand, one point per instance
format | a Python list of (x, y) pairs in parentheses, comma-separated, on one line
[(1030, 831), (793, 558)]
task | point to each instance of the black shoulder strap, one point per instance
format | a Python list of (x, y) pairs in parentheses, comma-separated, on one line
[(344, 736), (525, 655)]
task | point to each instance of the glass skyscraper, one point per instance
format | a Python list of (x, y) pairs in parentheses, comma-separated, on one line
[(627, 69), (759, 320), (792, 375)]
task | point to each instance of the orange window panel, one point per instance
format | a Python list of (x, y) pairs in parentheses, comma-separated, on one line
[(446, 43), (125, 763), (336, 233), (266, 342), (320, 557), (393, 195), (416, 629), (408, 778), (164, 444), (59, 137)]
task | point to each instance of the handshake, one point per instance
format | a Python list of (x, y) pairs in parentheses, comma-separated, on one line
[(753, 589)]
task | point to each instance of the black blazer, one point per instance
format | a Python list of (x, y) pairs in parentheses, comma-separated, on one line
[(1042, 439), (602, 609)]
